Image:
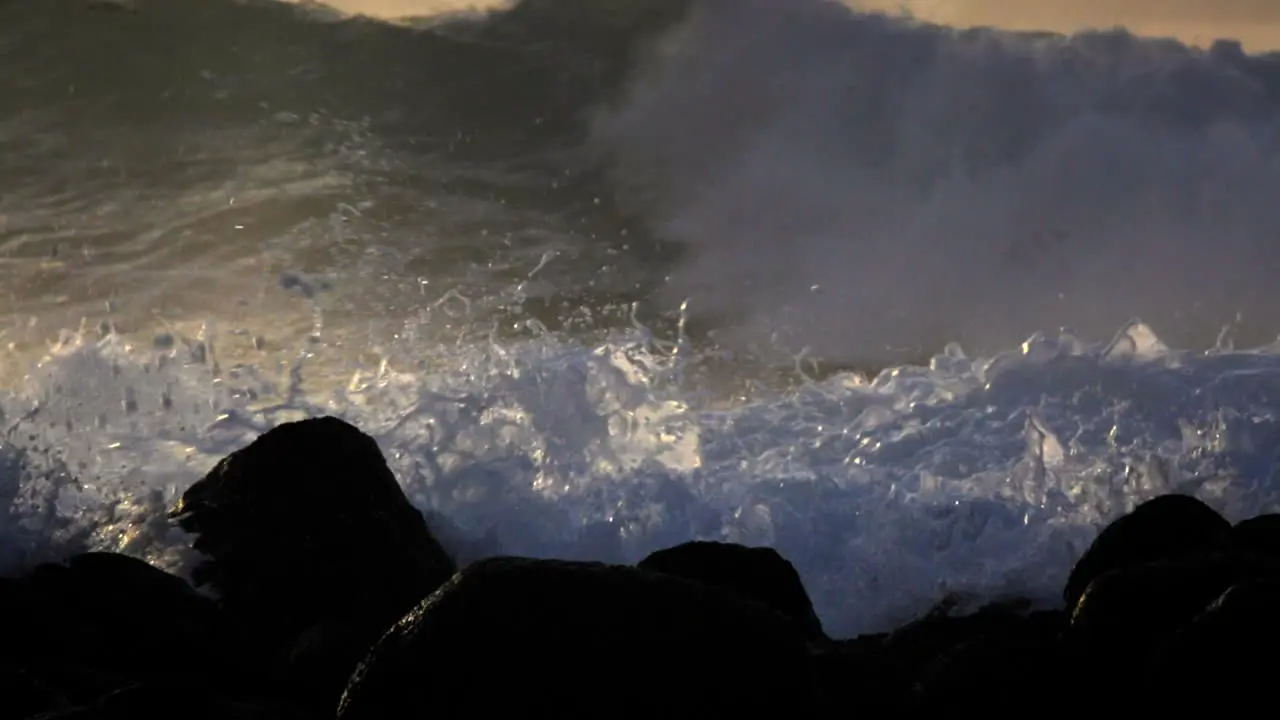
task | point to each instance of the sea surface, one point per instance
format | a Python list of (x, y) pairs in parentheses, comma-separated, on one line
[(921, 308)]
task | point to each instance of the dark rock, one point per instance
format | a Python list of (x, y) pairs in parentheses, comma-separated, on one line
[(22, 694), (879, 674), (100, 621), (139, 702), (316, 554), (577, 639), (307, 528), (1003, 671), (1166, 527), (1256, 536), (758, 573), (324, 656), (919, 642), (1127, 614), (1226, 654), (854, 673)]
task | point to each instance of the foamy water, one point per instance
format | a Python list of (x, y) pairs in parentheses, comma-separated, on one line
[(338, 226), (985, 476)]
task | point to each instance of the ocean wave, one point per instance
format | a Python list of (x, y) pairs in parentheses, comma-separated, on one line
[(868, 186), (792, 167), (528, 70), (871, 187), (984, 476)]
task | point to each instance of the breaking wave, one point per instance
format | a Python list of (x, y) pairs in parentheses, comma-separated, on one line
[(872, 187), (473, 236)]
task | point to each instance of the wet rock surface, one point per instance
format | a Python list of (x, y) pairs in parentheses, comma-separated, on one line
[(329, 597), (312, 548)]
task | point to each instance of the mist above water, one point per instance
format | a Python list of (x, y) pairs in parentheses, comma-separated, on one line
[(872, 187)]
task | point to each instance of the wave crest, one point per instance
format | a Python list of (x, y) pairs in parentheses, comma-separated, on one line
[(872, 187)]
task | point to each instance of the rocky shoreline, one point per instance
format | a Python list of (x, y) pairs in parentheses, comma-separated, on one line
[(334, 600)]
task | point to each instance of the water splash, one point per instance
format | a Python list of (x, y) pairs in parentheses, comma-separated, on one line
[(986, 475), (942, 185)]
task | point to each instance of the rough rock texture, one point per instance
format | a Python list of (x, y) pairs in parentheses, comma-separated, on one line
[(576, 639), (101, 621), (1154, 572), (1000, 670), (939, 659), (1165, 527), (310, 539), (1224, 657), (324, 568), (1258, 535), (757, 573), (139, 702)]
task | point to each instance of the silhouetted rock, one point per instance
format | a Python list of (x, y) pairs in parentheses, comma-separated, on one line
[(1127, 614), (1166, 527), (329, 579), (137, 702), (1225, 655), (1256, 536), (853, 673), (919, 642), (880, 674), (1008, 667), (758, 573), (101, 621), (576, 639), (23, 694), (312, 547)]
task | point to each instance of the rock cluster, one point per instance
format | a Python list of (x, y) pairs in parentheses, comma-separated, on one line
[(334, 600)]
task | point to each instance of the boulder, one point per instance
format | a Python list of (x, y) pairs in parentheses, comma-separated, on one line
[(161, 701), (312, 547), (580, 639), (1003, 669), (1222, 658), (758, 573), (881, 674), (1258, 535), (99, 622), (1163, 528), (1126, 616)]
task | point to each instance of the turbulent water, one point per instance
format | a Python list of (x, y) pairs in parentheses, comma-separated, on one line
[(605, 277)]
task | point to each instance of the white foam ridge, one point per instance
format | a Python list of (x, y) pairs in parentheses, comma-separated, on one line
[(983, 476)]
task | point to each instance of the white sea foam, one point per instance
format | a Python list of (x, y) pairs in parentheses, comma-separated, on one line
[(984, 475), (873, 181)]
